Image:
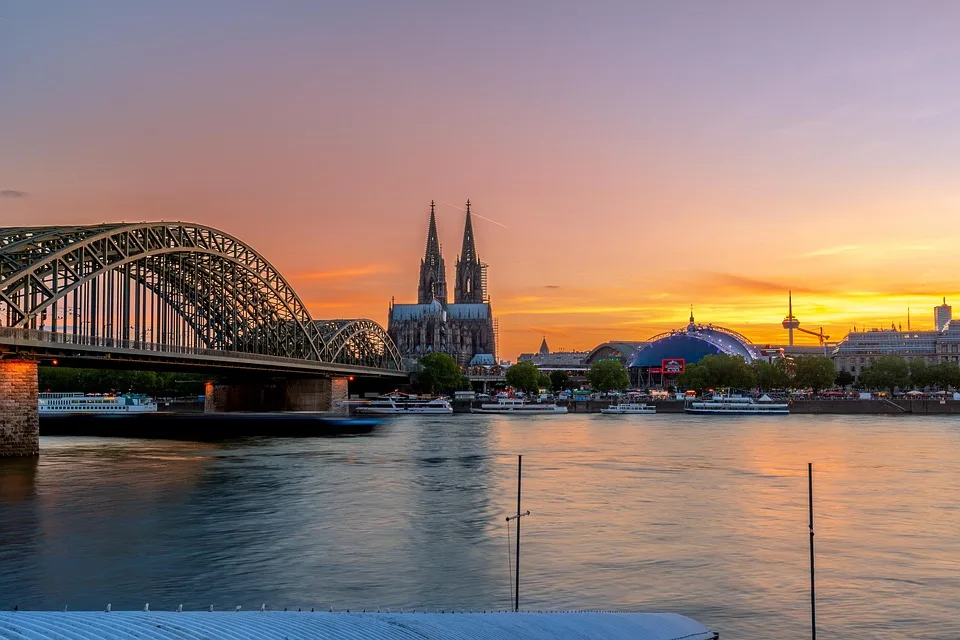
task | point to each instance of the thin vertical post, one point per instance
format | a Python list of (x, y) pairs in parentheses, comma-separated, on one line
[(516, 591), (813, 590)]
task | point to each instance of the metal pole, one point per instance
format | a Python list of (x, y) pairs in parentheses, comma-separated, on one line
[(813, 591), (516, 591)]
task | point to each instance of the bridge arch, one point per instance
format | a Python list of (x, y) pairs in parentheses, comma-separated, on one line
[(168, 284), (360, 342)]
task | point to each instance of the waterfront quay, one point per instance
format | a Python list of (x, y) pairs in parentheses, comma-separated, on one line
[(822, 406)]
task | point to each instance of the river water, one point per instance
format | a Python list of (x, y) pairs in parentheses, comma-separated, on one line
[(702, 516)]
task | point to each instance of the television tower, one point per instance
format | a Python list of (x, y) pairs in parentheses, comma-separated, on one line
[(790, 322)]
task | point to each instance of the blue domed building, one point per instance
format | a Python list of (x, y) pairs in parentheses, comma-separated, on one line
[(667, 355)]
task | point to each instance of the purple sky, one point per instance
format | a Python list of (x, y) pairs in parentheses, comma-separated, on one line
[(643, 156)]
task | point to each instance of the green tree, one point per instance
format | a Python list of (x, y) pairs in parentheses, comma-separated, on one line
[(844, 379), (695, 377), (919, 374), (608, 375), (523, 376), (66, 379), (543, 381), (439, 374), (944, 375), (815, 372), (770, 375), (559, 380), (728, 371), (886, 372)]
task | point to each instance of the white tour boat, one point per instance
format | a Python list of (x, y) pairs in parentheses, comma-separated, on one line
[(721, 404), (519, 407), (402, 405), (628, 408), (65, 403)]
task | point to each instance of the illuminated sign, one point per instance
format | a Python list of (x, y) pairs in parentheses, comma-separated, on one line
[(673, 366)]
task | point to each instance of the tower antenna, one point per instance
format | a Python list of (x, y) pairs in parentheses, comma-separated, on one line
[(790, 322)]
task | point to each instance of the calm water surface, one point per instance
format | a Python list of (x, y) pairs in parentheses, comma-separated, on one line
[(705, 517)]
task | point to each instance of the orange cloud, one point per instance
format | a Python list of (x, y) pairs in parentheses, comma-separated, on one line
[(369, 270)]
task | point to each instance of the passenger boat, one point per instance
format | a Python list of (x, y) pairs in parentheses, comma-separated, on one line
[(519, 406), (721, 404), (65, 403), (628, 408), (403, 405)]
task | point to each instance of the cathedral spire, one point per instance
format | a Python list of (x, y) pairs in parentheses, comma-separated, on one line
[(433, 280), (470, 282), (433, 242), (468, 251)]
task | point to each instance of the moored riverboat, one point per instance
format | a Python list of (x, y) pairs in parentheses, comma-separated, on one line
[(66, 403), (404, 405), (518, 406), (722, 404), (628, 408)]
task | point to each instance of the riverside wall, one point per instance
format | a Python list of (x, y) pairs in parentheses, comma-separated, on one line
[(811, 406)]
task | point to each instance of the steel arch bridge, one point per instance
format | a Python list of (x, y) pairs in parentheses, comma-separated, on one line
[(174, 292)]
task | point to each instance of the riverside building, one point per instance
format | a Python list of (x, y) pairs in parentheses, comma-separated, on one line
[(858, 349), (545, 361)]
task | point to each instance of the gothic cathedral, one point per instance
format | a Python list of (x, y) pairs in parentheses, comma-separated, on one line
[(463, 329)]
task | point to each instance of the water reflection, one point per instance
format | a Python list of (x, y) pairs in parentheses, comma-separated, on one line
[(699, 516)]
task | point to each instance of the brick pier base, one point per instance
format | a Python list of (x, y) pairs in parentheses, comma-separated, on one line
[(19, 418), (293, 394)]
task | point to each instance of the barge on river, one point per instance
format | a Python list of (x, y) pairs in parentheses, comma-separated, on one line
[(720, 405)]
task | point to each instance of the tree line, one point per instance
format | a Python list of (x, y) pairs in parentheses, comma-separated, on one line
[(151, 383), (813, 372), (817, 373), (440, 374), (893, 372)]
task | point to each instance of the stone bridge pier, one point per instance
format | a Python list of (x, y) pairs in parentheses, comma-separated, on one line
[(284, 394), (19, 416)]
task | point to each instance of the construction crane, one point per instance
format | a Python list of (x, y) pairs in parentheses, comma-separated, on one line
[(819, 335), (791, 323)]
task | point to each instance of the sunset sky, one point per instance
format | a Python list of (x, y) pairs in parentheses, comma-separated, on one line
[(632, 157)]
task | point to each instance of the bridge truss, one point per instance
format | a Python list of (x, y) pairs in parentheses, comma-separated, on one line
[(169, 287)]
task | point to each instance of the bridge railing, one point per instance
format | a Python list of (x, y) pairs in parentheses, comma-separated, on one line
[(69, 339)]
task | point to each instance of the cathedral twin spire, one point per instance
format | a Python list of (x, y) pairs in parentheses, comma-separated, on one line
[(469, 285), (433, 279)]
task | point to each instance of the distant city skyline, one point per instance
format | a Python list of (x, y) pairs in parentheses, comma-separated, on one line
[(624, 160)]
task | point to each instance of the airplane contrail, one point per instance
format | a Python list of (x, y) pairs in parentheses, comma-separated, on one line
[(450, 204), (16, 24)]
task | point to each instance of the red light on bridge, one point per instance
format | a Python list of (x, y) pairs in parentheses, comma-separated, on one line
[(55, 362)]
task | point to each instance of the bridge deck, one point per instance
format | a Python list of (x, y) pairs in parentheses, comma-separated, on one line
[(94, 352)]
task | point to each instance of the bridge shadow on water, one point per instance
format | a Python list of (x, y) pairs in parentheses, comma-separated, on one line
[(208, 427)]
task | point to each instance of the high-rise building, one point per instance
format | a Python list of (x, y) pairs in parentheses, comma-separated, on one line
[(942, 316), (463, 329)]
